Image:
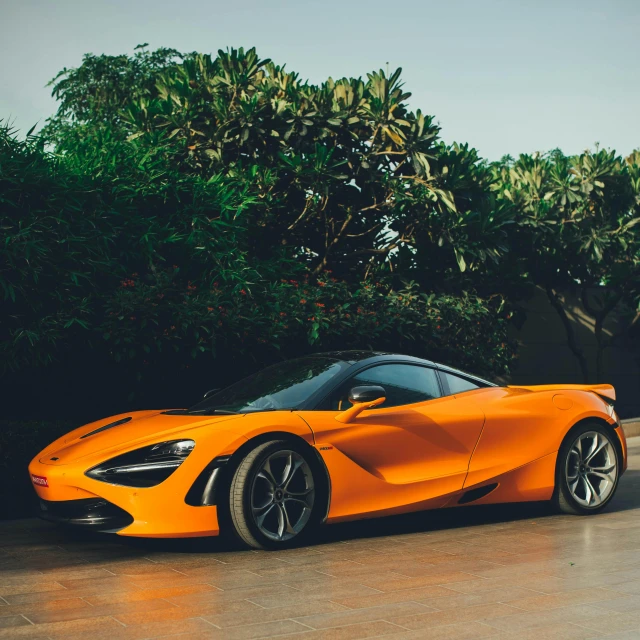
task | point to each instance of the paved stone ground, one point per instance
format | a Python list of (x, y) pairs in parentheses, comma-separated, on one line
[(491, 573)]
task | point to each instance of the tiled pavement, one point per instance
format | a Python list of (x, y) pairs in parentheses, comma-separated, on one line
[(490, 573)]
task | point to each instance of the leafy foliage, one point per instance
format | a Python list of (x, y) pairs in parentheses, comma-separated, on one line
[(146, 318), (576, 229), (183, 210), (345, 174)]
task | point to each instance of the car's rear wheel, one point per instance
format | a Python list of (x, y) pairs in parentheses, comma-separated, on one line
[(587, 471), (275, 495)]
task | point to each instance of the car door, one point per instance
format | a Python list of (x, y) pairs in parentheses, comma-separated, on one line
[(417, 444)]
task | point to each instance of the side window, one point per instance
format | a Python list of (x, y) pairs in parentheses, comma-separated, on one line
[(457, 384), (404, 384)]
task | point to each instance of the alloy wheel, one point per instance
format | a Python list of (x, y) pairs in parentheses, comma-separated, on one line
[(591, 469), (282, 495)]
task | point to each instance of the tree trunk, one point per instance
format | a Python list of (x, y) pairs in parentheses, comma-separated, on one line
[(600, 315), (571, 336)]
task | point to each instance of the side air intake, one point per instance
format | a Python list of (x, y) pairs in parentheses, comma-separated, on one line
[(475, 494), (203, 492)]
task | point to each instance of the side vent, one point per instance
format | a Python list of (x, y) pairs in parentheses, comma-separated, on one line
[(203, 490), (475, 494), (106, 426)]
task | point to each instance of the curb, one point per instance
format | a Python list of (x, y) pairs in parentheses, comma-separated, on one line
[(631, 427)]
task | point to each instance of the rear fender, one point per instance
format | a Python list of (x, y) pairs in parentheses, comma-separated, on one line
[(525, 424)]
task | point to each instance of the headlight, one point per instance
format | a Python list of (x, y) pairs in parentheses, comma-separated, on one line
[(146, 467)]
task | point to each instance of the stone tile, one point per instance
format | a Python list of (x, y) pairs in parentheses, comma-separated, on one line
[(141, 569), (383, 612), (38, 587), (453, 631), (534, 582), (614, 622), (446, 617), (330, 583), (148, 607), (421, 594), (145, 582), (454, 600), (311, 608), (622, 604), (284, 572), (581, 615), (194, 627), (436, 578), (349, 632), (65, 628), (18, 578), (268, 629), (629, 587), (13, 621), (463, 575), (228, 614), (624, 635), (557, 631), (38, 607), (149, 594), (579, 596), (101, 585), (266, 598), (276, 594)]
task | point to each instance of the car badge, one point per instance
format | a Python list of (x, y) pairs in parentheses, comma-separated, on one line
[(41, 481)]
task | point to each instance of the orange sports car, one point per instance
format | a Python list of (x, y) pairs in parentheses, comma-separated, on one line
[(334, 437)]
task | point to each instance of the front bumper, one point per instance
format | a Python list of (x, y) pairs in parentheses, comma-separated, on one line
[(89, 513), (154, 512), (181, 506), (160, 511)]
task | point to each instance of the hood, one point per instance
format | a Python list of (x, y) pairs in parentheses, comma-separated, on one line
[(130, 428), (605, 391)]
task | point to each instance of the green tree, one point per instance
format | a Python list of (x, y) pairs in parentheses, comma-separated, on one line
[(346, 174), (201, 196), (575, 230)]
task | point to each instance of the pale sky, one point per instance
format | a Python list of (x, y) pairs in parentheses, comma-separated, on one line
[(507, 76)]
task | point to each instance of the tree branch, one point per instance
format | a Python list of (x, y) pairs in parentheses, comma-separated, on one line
[(600, 315), (323, 262), (571, 337)]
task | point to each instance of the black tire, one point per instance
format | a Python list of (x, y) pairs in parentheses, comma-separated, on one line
[(249, 480), (569, 463)]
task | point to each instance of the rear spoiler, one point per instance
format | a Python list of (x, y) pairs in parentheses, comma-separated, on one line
[(605, 391)]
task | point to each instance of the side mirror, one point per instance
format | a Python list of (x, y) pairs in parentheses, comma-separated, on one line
[(362, 398), (210, 392), (366, 394)]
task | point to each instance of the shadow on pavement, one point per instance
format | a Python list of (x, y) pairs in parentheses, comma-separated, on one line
[(627, 497), (420, 522)]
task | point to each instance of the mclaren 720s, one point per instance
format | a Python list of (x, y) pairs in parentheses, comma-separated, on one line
[(334, 437)]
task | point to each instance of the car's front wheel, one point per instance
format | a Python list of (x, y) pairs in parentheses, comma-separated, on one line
[(587, 471), (275, 495)]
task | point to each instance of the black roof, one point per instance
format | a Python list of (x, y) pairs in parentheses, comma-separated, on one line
[(351, 355), (356, 355)]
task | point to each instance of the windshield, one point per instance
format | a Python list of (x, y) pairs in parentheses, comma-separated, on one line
[(286, 385)]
